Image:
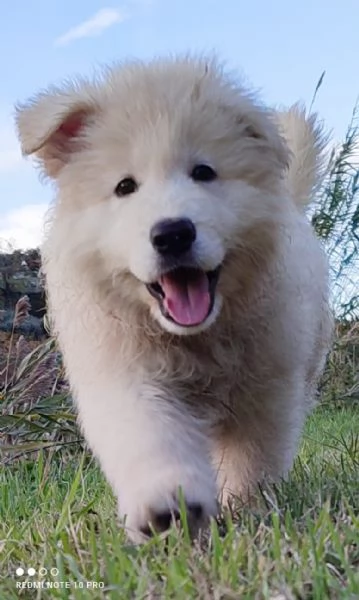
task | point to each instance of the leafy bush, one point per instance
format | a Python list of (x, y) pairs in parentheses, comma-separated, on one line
[(336, 221)]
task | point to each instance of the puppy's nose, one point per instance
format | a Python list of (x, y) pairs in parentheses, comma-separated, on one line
[(173, 236)]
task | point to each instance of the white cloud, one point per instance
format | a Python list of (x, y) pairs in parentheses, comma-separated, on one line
[(94, 26), (23, 227)]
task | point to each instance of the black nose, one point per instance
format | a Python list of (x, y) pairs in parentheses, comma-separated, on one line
[(173, 236)]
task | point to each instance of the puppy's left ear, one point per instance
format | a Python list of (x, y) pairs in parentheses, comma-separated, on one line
[(53, 124), (263, 130)]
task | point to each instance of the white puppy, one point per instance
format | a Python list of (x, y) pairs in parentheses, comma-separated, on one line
[(187, 289)]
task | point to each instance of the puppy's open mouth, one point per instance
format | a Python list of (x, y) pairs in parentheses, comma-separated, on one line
[(186, 295)]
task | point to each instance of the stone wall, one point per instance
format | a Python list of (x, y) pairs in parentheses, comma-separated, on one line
[(19, 276)]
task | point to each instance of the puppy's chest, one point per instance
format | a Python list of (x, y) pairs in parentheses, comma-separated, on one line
[(203, 375)]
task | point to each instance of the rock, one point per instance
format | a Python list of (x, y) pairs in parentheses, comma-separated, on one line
[(19, 277)]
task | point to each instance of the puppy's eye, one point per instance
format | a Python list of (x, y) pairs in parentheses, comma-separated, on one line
[(126, 186), (203, 173)]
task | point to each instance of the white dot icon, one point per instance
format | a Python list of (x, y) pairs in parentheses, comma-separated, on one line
[(31, 571), (19, 571)]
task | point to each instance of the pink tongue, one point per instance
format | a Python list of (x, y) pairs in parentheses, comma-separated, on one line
[(187, 298)]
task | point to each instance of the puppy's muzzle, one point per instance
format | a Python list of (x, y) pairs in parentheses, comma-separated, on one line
[(184, 291)]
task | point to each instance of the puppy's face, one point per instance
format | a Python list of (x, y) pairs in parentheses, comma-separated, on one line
[(161, 171)]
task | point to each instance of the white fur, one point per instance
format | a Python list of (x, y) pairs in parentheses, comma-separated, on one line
[(217, 410)]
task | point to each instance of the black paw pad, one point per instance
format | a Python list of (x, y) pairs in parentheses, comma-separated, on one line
[(162, 521)]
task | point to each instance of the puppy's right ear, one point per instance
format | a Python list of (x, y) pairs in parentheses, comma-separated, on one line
[(51, 125)]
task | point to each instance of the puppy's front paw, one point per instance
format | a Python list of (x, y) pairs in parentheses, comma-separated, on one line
[(157, 506), (161, 521)]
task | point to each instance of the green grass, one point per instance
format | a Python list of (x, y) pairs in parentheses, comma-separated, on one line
[(58, 512)]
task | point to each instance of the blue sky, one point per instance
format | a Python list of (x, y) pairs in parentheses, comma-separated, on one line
[(280, 47)]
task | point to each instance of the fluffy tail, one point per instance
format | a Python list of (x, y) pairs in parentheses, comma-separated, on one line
[(307, 143)]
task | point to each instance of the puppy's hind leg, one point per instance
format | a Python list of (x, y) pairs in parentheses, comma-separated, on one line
[(255, 451)]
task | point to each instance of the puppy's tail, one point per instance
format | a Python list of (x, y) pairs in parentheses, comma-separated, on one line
[(307, 143)]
